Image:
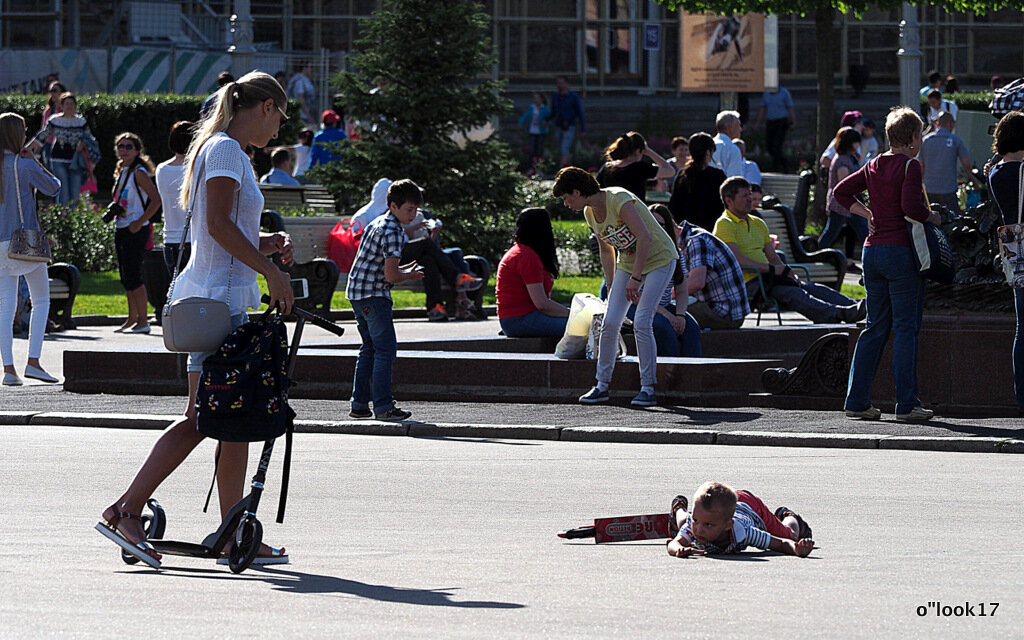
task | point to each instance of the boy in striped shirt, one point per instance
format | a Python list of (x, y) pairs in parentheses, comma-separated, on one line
[(727, 521)]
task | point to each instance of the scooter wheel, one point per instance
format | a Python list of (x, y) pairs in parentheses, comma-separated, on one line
[(153, 524), (248, 538)]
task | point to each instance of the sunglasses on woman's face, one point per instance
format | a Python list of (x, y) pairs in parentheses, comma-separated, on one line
[(127, 146)]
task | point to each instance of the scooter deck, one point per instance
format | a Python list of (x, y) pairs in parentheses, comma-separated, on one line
[(623, 529), (187, 549)]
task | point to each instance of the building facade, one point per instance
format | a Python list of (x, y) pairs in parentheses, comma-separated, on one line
[(599, 44)]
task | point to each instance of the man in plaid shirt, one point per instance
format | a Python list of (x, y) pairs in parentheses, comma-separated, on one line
[(715, 278), (374, 271)]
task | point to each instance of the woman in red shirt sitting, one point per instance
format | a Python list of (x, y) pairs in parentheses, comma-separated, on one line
[(525, 276)]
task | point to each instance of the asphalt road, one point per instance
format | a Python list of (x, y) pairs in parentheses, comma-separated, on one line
[(417, 537)]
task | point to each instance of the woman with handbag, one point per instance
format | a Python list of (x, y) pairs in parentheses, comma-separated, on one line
[(895, 286), (138, 201), (18, 220), (224, 202), (1006, 183)]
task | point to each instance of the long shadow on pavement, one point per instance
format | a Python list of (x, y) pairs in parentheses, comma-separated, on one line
[(311, 583), (975, 430), (298, 582), (697, 416), (516, 443)]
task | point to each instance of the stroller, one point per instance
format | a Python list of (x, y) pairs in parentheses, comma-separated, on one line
[(243, 397)]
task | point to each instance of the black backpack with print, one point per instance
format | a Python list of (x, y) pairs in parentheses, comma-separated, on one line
[(243, 390)]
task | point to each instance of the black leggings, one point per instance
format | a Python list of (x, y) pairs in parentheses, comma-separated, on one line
[(130, 248), (436, 265)]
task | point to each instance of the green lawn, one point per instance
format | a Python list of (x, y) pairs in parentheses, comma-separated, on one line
[(101, 294)]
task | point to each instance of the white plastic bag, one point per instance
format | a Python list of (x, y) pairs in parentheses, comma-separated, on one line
[(573, 345)]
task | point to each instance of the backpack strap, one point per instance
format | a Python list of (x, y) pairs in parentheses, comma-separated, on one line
[(287, 466)]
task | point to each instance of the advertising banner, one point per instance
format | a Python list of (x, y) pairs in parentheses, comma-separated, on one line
[(722, 53)]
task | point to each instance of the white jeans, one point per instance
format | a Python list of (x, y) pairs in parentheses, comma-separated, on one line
[(39, 290), (654, 285)]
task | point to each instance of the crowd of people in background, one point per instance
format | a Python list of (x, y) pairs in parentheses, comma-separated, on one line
[(700, 261)]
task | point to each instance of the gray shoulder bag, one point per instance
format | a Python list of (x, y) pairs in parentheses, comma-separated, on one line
[(26, 244), (195, 323)]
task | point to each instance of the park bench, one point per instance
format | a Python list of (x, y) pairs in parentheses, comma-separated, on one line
[(310, 235), (825, 266), (310, 196), (794, 191), (65, 281)]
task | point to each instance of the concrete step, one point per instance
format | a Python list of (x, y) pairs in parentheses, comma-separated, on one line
[(437, 375)]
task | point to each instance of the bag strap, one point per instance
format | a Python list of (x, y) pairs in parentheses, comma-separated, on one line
[(1020, 192), (17, 191), (185, 234), (287, 466)]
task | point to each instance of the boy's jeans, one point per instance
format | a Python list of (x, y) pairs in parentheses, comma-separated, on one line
[(376, 356), (895, 303)]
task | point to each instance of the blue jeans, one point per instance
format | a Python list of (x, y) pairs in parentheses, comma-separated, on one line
[(834, 226), (666, 339), (70, 182), (895, 299), (533, 325), (377, 355), (1018, 348), (564, 138)]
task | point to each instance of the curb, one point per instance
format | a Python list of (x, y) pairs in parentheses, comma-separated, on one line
[(958, 444)]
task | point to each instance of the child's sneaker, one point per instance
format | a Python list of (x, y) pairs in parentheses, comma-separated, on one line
[(644, 399), (805, 531), (360, 414), (678, 502), (437, 314), (594, 396), (395, 414), (466, 282)]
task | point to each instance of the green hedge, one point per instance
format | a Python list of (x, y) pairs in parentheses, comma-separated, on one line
[(82, 238), (150, 116), (966, 101)]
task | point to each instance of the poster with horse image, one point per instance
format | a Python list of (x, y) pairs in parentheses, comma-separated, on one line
[(722, 53)]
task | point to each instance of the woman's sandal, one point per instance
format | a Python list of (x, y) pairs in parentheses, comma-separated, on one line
[(142, 550)]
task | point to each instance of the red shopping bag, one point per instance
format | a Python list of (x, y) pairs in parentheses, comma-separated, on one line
[(343, 243)]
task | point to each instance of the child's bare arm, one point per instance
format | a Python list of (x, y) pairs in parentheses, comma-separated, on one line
[(800, 548), (395, 274), (679, 550)]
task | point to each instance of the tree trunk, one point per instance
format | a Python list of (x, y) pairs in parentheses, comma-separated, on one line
[(824, 17), (826, 130)]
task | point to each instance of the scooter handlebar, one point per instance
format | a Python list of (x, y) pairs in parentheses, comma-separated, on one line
[(309, 316)]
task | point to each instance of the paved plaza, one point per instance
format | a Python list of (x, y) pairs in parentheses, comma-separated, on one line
[(436, 537)]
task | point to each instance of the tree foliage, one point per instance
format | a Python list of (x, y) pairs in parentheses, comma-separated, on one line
[(419, 78)]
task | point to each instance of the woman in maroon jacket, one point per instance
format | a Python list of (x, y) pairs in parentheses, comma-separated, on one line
[(895, 287)]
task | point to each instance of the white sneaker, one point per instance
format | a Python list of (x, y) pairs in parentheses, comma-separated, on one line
[(917, 414), (39, 374), (12, 380)]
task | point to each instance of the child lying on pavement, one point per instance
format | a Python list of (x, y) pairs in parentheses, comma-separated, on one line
[(727, 521)]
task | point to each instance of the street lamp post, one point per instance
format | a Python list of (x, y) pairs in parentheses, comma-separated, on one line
[(910, 57), (241, 48)]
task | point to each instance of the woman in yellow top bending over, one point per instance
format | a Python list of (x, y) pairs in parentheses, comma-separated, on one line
[(638, 259)]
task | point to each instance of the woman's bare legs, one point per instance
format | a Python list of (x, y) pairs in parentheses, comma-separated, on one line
[(140, 318)]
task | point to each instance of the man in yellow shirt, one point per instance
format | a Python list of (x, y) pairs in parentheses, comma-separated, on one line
[(747, 237)]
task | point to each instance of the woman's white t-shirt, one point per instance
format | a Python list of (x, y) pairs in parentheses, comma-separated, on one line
[(302, 152), (168, 185), (210, 266), (129, 198)]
